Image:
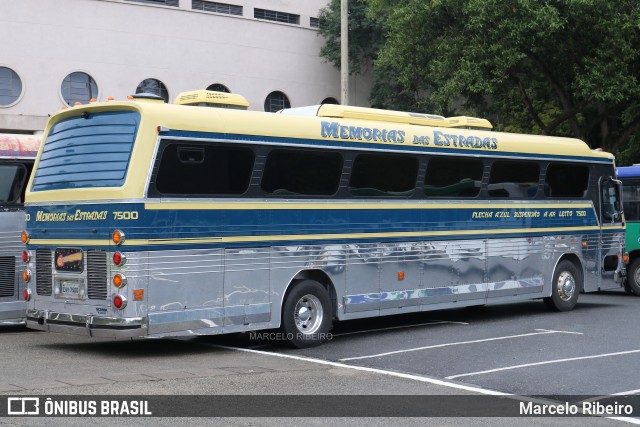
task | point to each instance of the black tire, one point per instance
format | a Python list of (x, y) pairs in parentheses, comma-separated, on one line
[(565, 287), (306, 315), (633, 277)]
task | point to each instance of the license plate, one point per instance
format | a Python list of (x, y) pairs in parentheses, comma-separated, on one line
[(71, 289)]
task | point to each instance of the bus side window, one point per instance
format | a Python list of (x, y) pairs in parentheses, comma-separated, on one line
[(514, 179), (453, 177), (383, 175)]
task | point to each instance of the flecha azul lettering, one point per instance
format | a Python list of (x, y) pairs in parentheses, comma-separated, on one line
[(359, 133)]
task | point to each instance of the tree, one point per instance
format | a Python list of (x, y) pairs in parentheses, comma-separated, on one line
[(554, 67)]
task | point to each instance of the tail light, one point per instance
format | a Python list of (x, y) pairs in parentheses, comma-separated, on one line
[(119, 280), (26, 276), (119, 302), (26, 294), (119, 259)]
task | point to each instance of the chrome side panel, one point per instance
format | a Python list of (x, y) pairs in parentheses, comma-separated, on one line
[(185, 290), (212, 291), (12, 306), (516, 267)]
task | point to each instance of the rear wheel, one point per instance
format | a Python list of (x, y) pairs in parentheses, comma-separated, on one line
[(306, 315), (565, 287), (633, 277)]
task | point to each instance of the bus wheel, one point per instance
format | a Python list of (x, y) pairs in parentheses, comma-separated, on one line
[(306, 315), (565, 287), (633, 277)]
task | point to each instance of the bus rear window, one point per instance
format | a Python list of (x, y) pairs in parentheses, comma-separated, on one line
[(203, 170), (89, 150)]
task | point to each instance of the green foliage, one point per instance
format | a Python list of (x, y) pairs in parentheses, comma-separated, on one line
[(554, 67)]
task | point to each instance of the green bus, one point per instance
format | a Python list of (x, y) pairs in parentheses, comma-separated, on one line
[(630, 177)]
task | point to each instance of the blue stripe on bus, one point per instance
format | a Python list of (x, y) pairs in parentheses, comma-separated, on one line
[(96, 222)]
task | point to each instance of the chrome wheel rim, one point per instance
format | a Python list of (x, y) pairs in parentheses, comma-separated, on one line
[(566, 286), (308, 314)]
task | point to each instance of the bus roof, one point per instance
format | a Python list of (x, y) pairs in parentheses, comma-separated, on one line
[(306, 128), (18, 145), (628, 171)]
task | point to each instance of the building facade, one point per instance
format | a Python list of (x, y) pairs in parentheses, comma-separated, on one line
[(57, 52)]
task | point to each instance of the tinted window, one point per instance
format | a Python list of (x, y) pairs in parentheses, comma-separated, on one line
[(302, 172), (12, 179), (453, 177), (566, 180), (631, 200), (514, 179), (200, 170), (383, 175)]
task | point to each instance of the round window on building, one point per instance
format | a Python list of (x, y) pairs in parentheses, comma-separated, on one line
[(10, 87), (276, 101), (218, 88), (330, 101), (155, 87), (79, 87)]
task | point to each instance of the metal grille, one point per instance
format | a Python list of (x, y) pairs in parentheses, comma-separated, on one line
[(7, 276), (174, 3), (97, 274), (273, 15), (44, 264), (212, 6), (314, 22)]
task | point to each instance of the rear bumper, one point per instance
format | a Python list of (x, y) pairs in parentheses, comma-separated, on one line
[(87, 324), (12, 312)]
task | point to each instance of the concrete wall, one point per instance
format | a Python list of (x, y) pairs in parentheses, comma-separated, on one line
[(121, 43)]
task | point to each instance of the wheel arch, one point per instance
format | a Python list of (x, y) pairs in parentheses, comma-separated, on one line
[(573, 258), (320, 277)]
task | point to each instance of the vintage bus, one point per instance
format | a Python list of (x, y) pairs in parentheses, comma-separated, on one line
[(147, 219), (630, 177), (17, 154)]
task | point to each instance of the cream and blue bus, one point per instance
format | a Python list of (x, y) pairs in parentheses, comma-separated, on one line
[(147, 219), (17, 155)]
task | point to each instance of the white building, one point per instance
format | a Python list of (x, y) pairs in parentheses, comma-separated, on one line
[(56, 52)]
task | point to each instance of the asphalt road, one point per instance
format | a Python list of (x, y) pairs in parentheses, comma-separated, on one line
[(520, 349)]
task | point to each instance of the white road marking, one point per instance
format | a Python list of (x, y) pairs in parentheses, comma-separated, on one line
[(540, 332), (373, 370), (420, 378), (438, 322), (548, 362)]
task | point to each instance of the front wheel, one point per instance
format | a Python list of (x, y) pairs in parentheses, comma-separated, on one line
[(633, 277), (565, 287), (306, 315)]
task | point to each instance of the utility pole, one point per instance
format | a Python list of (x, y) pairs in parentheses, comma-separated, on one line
[(344, 51)]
